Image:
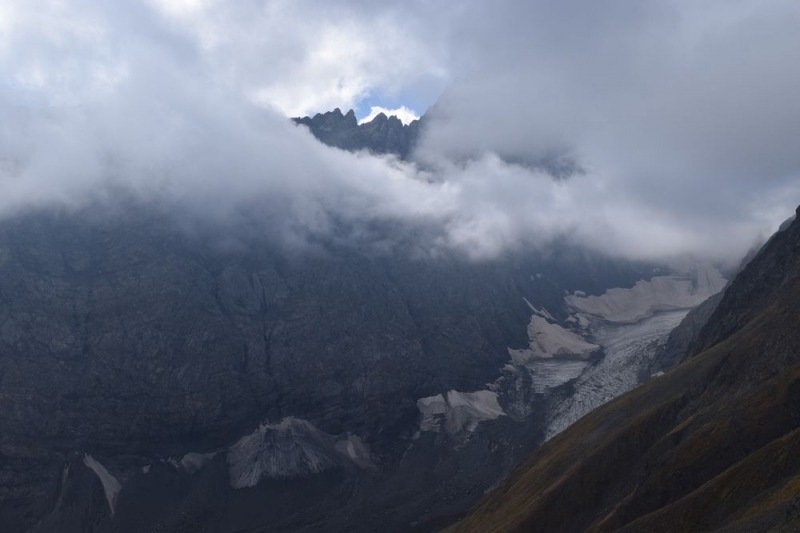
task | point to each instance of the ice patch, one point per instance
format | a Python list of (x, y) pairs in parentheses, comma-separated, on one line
[(192, 462), (356, 450), (458, 410), (646, 298), (543, 312), (551, 340), (111, 486)]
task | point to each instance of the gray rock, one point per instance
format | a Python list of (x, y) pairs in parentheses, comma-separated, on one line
[(382, 135)]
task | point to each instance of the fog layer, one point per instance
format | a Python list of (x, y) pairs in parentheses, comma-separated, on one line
[(683, 118)]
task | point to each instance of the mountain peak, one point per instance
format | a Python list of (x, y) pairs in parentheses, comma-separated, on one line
[(382, 135)]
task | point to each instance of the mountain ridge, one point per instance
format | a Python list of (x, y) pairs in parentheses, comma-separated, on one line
[(382, 135)]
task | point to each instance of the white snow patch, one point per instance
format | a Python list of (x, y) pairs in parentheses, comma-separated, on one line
[(111, 486), (458, 410), (192, 462), (355, 450), (551, 340), (646, 298), (541, 312)]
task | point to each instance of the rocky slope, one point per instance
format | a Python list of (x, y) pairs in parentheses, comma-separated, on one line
[(709, 446)]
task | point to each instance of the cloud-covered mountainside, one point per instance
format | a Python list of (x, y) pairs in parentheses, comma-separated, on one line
[(202, 373), (211, 320), (666, 118), (154, 377)]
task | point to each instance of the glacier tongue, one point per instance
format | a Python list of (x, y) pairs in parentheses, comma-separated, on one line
[(628, 351), (627, 324)]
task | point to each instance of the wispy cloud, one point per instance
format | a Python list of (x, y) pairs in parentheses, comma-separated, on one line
[(684, 117)]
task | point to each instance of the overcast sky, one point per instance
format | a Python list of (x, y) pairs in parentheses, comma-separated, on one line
[(684, 115)]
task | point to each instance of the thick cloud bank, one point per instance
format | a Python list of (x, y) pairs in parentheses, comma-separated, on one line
[(682, 117)]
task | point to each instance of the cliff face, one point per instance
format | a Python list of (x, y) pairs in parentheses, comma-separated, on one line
[(711, 445), (177, 361), (382, 135)]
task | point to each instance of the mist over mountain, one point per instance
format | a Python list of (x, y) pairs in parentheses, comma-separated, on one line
[(206, 368), (532, 299), (185, 104), (164, 355)]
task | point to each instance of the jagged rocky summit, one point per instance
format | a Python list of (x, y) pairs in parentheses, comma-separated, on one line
[(381, 135)]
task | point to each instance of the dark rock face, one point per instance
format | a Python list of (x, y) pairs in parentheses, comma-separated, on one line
[(682, 339), (134, 342), (709, 446), (382, 135)]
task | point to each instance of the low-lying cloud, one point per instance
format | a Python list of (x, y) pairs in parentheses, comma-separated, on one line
[(683, 118)]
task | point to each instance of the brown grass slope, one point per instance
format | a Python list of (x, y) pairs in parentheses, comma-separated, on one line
[(712, 445)]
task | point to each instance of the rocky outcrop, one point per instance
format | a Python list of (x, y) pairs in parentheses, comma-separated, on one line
[(681, 340), (382, 135)]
